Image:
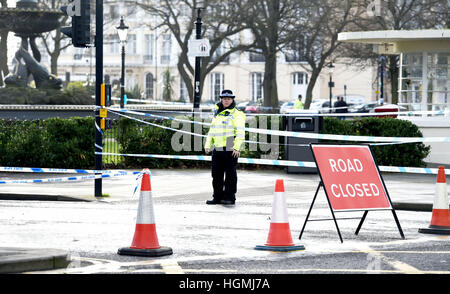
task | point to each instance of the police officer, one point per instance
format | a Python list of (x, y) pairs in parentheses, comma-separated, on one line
[(225, 138), (298, 104)]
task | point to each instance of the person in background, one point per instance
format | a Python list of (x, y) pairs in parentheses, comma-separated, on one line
[(341, 106), (298, 104), (225, 137)]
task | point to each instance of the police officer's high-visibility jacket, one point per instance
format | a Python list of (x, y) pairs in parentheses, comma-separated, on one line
[(227, 130), (298, 104)]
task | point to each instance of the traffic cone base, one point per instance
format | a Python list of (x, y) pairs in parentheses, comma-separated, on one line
[(280, 248), (435, 230), (161, 251)]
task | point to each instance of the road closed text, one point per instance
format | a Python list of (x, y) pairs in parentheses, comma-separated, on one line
[(354, 189)]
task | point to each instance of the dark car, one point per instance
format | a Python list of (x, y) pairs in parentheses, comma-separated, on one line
[(363, 108)]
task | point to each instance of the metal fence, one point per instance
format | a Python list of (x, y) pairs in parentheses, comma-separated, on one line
[(111, 144)]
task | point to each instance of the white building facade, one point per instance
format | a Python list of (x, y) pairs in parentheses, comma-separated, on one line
[(150, 53)]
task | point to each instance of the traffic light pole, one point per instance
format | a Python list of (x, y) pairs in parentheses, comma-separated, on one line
[(98, 82)]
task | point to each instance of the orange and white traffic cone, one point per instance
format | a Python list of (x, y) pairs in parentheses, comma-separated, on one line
[(145, 240), (279, 238), (440, 220)]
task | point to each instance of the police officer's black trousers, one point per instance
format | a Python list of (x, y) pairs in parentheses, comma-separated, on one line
[(224, 163)]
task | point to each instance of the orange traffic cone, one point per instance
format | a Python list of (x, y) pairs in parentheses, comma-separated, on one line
[(440, 220), (145, 240), (279, 238)]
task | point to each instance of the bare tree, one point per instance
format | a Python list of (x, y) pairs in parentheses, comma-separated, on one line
[(53, 41), (221, 26), (271, 23), (320, 22)]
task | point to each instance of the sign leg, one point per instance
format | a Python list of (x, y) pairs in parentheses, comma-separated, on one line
[(398, 224), (361, 222), (310, 208)]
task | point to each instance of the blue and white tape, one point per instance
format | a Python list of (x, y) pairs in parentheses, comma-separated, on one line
[(57, 170), (303, 134), (312, 112), (65, 179), (275, 162)]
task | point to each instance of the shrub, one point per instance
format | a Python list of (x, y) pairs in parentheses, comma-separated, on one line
[(411, 154), (55, 142), (69, 143)]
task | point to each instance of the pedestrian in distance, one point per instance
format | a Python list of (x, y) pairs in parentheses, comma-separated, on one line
[(224, 139), (298, 104), (341, 106)]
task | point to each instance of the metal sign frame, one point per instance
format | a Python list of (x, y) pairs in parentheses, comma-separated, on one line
[(362, 219)]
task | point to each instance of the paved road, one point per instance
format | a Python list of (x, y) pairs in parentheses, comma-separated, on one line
[(221, 239)]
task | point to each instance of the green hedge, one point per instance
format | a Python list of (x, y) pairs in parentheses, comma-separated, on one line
[(411, 154), (69, 143), (53, 143)]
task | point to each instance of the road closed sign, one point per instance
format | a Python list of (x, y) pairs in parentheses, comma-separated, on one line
[(350, 177)]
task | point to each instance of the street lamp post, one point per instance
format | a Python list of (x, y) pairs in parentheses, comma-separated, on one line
[(331, 83), (122, 31), (198, 36)]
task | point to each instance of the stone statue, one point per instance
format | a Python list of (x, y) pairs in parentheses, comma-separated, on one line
[(26, 65)]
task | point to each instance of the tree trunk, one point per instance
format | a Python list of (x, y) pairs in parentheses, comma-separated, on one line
[(312, 82), (270, 81), (4, 71)]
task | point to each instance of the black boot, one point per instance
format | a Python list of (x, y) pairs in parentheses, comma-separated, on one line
[(213, 201)]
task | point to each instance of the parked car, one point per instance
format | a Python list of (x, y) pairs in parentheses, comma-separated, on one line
[(251, 109), (363, 108), (242, 105), (321, 105), (285, 106)]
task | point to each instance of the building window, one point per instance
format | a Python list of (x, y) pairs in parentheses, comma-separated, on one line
[(78, 54), (296, 51), (114, 11), (299, 78), (257, 79), (217, 84), (257, 56), (219, 52), (149, 86), (131, 44), (113, 44), (149, 48), (166, 48)]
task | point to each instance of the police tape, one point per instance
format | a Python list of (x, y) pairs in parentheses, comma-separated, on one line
[(317, 136), (57, 170), (67, 179), (201, 135), (322, 112), (276, 162)]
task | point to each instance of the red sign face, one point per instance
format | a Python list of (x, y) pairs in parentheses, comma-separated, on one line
[(350, 177)]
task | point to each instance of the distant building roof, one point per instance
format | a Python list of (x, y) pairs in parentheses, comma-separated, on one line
[(401, 41)]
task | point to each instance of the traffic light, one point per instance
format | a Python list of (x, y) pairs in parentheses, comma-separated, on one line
[(80, 31)]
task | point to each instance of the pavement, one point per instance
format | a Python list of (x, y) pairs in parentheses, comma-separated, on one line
[(407, 191)]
